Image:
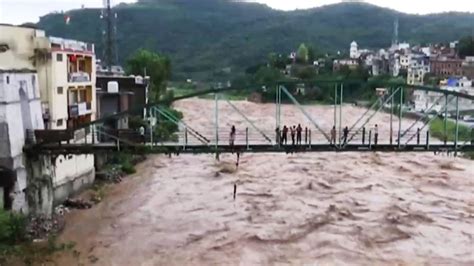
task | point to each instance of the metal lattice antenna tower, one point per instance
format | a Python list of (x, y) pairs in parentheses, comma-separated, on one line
[(108, 35), (395, 31), (116, 39)]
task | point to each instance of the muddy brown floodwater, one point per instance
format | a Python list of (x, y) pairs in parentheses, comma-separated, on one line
[(300, 209)]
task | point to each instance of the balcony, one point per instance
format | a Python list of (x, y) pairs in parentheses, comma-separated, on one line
[(80, 109), (78, 77)]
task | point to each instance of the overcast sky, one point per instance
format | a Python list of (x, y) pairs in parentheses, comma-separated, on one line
[(20, 11)]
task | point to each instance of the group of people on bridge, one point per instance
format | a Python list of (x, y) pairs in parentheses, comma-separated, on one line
[(296, 135)]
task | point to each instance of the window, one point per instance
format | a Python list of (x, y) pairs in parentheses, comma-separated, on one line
[(8, 80), (59, 57), (59, 123), (82, 96), (73, 97), (60, 90)]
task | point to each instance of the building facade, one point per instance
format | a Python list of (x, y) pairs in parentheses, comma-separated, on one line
[(120, 93), (354, 51), (468, 67), (20, 114), (64, 74), (68, 95), (350, 63), (446, 67), (418, 68)]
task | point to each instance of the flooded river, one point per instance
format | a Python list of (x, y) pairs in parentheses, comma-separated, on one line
[(300, 209)]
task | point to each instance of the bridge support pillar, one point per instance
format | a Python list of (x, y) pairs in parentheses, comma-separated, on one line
[(418, 136), (400, 115), (370, 139), (216, 124), (363, 136), (427, 139), (340, 115), (309, 138), (391, 116), (445, 136), (247, 138), (456, 137)]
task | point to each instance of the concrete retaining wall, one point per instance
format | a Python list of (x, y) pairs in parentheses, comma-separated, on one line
[(73, 187)]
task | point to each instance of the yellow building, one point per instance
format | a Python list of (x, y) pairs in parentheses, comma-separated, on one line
[(67, 82)]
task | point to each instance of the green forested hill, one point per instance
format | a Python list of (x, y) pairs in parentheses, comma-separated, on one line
[(203, 37)]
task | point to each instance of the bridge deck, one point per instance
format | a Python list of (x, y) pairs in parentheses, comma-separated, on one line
[(169, 148)]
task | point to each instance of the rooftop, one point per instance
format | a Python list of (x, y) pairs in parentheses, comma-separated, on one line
[(25, 26)]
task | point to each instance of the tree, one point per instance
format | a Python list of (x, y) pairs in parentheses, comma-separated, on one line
[(302, 55), (466, 46), (277, 61), (157, 66), (268, 75), (305, 72)]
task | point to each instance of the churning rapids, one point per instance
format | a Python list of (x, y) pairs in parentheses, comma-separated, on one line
[(299, 209)]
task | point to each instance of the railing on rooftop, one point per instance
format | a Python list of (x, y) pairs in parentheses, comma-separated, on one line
[(77, 77), (80, 109)]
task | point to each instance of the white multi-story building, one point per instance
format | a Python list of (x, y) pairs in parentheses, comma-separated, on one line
[(405, 61), (419, 66), (65, 82), (354, 51), (68, 94), (20, 113)]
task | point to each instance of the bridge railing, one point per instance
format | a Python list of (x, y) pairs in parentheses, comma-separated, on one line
[(248, 136), (98, 134)]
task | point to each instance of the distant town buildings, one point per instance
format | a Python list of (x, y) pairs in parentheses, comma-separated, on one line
[(468, 67), (443, 66), (418, 67), (415, 62), (424, 100), (350, 63)]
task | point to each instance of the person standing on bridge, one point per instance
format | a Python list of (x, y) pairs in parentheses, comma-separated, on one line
[(293, 133), (376, 134), (232, 136), (346, 133), (284, 135), (333, 135), (142, 134), (299, 133)]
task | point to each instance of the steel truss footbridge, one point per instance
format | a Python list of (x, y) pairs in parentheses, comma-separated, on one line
[(393, 136)]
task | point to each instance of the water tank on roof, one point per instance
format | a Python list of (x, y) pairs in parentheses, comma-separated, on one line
[(138, 80), (112, 87)]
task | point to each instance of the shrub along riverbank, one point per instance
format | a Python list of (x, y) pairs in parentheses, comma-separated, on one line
[(464, 136)]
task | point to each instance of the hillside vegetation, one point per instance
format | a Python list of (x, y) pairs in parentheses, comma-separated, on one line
[(207, 39)]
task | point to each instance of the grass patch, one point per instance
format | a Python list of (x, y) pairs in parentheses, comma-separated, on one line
[(12, 228), (437, 131), (125, 160)]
